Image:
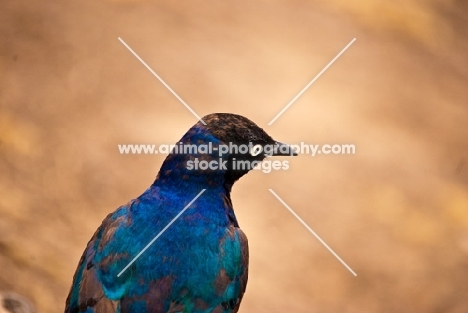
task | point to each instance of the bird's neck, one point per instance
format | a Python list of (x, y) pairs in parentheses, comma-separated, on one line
[(197, 169), (178, 175), (215, 201)]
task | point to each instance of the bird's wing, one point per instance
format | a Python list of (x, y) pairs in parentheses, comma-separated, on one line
[(233, 276), (243, 268), (89, 291)]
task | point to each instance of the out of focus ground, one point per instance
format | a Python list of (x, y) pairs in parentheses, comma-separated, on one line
[(396, 212)]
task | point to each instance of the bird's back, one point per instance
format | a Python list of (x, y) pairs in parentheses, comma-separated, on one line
[(199, 264)]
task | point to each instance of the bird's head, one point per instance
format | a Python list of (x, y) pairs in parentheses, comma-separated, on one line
[(220, 152)]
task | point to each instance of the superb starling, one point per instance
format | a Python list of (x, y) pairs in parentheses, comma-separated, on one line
[(200, 262)]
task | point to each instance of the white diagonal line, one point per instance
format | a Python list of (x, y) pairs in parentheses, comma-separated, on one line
[(312, 81), (162, 81), (160, 233), (313, 233)]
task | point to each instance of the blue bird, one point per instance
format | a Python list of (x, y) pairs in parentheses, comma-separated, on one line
[(200, 262)]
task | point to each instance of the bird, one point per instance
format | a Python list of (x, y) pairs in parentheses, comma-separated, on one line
[(200, 262)]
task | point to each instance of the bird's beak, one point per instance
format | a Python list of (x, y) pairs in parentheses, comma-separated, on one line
[(283, 149)]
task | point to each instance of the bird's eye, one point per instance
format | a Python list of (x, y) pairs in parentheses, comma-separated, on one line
[(255, 150)]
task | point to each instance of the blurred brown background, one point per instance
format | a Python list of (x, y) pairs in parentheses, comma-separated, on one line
[(396, 212)]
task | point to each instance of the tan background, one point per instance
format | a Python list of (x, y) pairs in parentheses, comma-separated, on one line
[(396, 212)]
